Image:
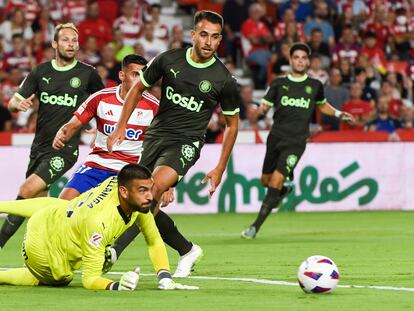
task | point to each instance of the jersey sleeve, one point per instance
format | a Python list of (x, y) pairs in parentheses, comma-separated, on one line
[(95, 82), (153, 71), (151, 101), (270, 95), (156, 247), (230, 97), (88, 109), (94, 241), (320, 95), (28, 86)]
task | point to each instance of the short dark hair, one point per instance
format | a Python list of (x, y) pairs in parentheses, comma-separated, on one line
[(211, 16), (133, 59), (300, 46), (132, 171)]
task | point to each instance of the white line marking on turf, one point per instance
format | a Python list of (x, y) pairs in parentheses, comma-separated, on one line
[(269, 282)]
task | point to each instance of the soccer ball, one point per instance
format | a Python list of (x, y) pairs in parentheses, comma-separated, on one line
[(318, 274)]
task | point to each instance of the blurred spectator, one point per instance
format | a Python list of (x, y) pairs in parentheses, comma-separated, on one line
[(336, 95), (320, 21), (29, 7), (347, 72), (56, 9), (407, 117), (393, 98), (302, 9), (93, 25), (90, 50), (160, 29), (47, 54), (18, 57), (315, 69), (281, 65), (347, 47), (345, 19), (292, 34), (368, 93), (15, 25), (5, 115), (152, 46), (11, 84), (402, 37), (378, 25), (383, 121), (235, 12), (44, 25), (359, 108), (74, 11), (139, 48), (255, 39), (177, 38), (109, 10), (130, 26), (375, 54), (30, 121), (108, 60), (103, 73), (121, 50), (215, 127), (373, 75), (358, 7), (280, 29), (249, 111), (318, 46)]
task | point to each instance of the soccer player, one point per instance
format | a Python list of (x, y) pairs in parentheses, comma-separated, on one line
[(105, 106), (61, 85), (294, 99), (194, 82), (63, 236)]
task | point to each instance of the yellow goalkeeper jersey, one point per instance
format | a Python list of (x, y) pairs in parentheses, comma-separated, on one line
[(76, 232)]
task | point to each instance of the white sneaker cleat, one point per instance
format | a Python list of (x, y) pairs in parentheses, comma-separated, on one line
[(249, 233), (187, 262)]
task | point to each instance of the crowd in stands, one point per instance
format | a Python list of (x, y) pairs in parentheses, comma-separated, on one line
[(362, 51)]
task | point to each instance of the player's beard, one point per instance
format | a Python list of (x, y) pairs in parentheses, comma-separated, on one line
[(65, 58), (200, 54)]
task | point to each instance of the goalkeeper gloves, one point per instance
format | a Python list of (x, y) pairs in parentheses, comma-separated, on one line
[(169, 284), (128, 281)]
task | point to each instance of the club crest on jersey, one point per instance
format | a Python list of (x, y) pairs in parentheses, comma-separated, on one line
[(308, 89), (188, 152), (291, 160), (57, 163), (75, 82), (205, 86), (95, 239)]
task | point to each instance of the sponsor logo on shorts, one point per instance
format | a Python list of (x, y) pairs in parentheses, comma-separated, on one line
[(57, 163), (291, 160), (75, 82), (295, 102), (205, 86), (96, 239), (186, 102)]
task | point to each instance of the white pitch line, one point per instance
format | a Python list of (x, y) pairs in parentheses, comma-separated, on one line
[(282, 283), (268, 282)]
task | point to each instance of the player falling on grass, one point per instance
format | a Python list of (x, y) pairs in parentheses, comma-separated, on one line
[(61, 85), (194, 82), (63, 236), (294, 99)]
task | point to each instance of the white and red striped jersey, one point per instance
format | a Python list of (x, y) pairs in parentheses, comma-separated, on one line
[(75, 11), (106, 106), (130, 28)]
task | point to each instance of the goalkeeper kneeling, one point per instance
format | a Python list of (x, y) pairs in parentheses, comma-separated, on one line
[(63, 236)]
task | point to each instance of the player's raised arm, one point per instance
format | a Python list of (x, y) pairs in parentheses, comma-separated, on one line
[(133, 96), (230, 135)]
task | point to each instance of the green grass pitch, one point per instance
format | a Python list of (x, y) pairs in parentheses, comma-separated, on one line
[(370, 249)]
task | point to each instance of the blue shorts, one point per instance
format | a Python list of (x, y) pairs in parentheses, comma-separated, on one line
[(87, 177)]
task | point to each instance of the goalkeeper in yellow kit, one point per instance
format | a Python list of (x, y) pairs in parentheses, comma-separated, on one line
[(64, 235)]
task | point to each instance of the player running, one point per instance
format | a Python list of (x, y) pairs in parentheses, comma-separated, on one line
[(60, 85), (194, 82), (63, 236), (294, 99)]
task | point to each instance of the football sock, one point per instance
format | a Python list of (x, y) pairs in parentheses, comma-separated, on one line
[(271, 200), (170, 234), (10, 226), (20, 276), (125, 239)]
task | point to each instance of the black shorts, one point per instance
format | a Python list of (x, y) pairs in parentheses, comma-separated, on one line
[(179, 155), (51, 164), (282, 155)]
